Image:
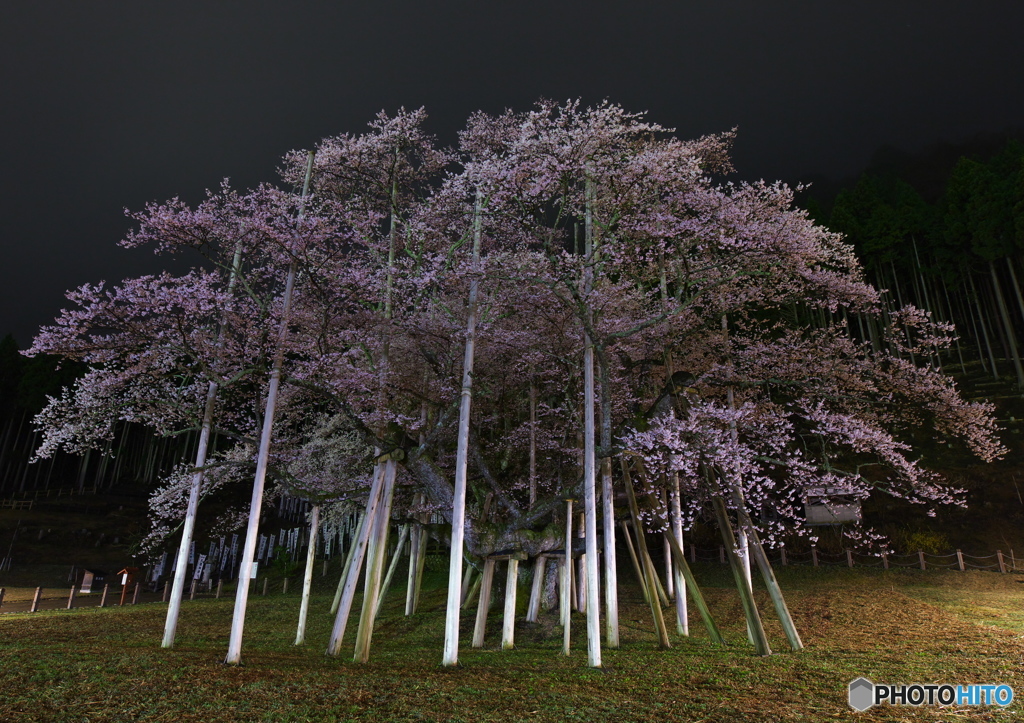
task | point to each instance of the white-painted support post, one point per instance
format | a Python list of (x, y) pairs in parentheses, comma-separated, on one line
[(234, 654), (508, 627), (375, 565), (675, 509), (565, 594), (351, 576), (307, 579), (349, 557), (451, 622), (487, 582), (533, 609), (403, 536)]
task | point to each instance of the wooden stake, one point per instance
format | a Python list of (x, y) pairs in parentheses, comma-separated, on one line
[(35, 600), (135, 595), (920, 557), (71, 598), (103, 597), (485, 602), (960, 560), (220, 587)]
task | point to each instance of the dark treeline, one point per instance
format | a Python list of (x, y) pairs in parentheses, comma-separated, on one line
[(946, 234), (134, 458)]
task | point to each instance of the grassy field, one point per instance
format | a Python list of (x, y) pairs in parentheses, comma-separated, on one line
[(895, 627)]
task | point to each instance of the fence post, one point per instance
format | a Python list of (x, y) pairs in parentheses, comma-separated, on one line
[(693, 554), (960, 560), (1002, 562), (35, 600), (783, 551), (721, 554), (192, 591), (167, 591), (265, 581), (885, 560), (284, 587), (103, 597), (71, 598), (2, 591), (920, 556), (220, 584), (135, 595), (814, 555), (849, 557)]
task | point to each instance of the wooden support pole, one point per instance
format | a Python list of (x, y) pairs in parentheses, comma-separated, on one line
[(135, 595), (350, 576), (487, 582), (885, 560), (35, 600), (774, 591), (960, 560), (220, 588), (694, 592), (191, 592), (467, 593), (2, 591), (754, 625), (414, 552), (508, 627), (721, 554), (103, 597), (920, 557), (403, 535), (782, 551), (471, 591), (350, 557), (1002, 562), (636, 561), (849, 557), (167, 590), (284, 586), (533, 609), (814, 555), (645, 559), (71, 598), (565, 596), (266, 580), (375, 565)]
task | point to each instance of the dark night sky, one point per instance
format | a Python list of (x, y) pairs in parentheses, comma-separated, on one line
[(111, 104)]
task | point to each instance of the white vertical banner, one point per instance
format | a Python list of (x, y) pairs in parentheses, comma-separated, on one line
[(199, 567)]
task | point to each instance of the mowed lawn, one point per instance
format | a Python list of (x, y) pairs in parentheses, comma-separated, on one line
[(899, 626)]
